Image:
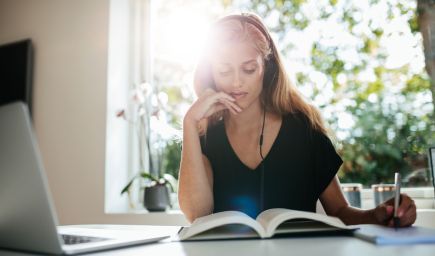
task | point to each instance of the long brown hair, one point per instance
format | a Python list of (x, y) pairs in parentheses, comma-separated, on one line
[(278, 95)]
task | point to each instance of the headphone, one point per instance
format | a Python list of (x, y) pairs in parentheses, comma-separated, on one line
[(270, 66), (270, 78)]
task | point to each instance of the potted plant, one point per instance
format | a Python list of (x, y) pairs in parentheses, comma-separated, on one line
[(156, 195), (138, 114)]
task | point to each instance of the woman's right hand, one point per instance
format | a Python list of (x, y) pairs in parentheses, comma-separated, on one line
[(209, 103)]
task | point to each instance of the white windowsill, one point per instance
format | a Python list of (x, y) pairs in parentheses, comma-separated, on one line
[(424, 197), (167, 212), (417, 192)]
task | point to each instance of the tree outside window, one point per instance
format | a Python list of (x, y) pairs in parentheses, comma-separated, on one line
[(360, 62)]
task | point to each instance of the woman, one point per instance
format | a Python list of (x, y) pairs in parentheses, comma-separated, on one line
[(251, 142)]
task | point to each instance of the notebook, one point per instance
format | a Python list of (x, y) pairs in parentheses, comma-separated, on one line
[(385, 235)]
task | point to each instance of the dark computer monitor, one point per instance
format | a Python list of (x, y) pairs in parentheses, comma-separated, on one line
[(16, 70)]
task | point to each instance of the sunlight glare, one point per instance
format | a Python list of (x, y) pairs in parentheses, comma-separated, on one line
[(181, 35)]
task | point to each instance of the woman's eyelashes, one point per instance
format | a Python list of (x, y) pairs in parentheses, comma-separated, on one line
[(228, 72), (250, 71), (225, 73)]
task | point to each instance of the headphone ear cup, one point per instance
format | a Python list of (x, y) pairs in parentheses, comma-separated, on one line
[(270, 72)]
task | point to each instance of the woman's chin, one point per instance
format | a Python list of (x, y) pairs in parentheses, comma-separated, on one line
[(241, 105), (248, 103)]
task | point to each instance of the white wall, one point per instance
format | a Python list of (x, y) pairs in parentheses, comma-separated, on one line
[(70, 78)]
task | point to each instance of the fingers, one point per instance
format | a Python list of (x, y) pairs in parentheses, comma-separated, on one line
[(233, 107), (409, 217), (389, 202), (405, 202), (224, 99), (221, 105), (214, 109), (407, 211), (384, 213), (222, 95), (211, 102), (232, 110), (212, 95)]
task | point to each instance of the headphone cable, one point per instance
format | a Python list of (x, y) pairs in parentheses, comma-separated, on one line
[(262, 164)]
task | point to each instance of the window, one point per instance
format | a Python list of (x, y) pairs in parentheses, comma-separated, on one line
[(128, 66), (149, 44), (360, 62)]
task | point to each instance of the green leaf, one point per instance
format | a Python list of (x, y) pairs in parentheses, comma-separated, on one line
[(170, 180), (127, 187), (149, 176), (417, 83)]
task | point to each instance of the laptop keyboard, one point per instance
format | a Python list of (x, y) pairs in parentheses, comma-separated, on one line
[(73, 239)]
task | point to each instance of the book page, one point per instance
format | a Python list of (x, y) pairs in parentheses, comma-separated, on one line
[(272, 218), (302, 226), (228, 231), (219, 219)]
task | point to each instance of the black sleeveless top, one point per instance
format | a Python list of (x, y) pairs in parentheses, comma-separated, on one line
[(299, 166)]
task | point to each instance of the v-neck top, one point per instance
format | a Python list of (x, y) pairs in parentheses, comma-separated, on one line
[(265, 157), (299, 166)]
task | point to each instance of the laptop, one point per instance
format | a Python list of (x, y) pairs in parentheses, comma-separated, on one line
[(28, 220)]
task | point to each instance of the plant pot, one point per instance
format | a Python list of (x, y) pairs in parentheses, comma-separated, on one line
[(156, 198), (382, 192), (352, 192)]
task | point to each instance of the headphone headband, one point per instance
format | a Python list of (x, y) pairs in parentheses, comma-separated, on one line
[(270, 74), (248, 18)]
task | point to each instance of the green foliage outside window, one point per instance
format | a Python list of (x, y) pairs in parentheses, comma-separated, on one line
[(389, 106)]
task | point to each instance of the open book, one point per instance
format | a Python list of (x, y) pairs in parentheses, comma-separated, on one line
[(234, 224)]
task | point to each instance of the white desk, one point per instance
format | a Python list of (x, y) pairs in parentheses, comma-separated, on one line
[(336, 246)]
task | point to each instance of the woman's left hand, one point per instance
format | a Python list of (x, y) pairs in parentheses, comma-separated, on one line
[(407, 212)]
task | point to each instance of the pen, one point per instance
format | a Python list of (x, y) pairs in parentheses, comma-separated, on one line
[(396, 219)]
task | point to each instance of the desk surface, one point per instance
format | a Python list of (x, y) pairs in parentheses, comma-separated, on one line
[(279, 246)]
